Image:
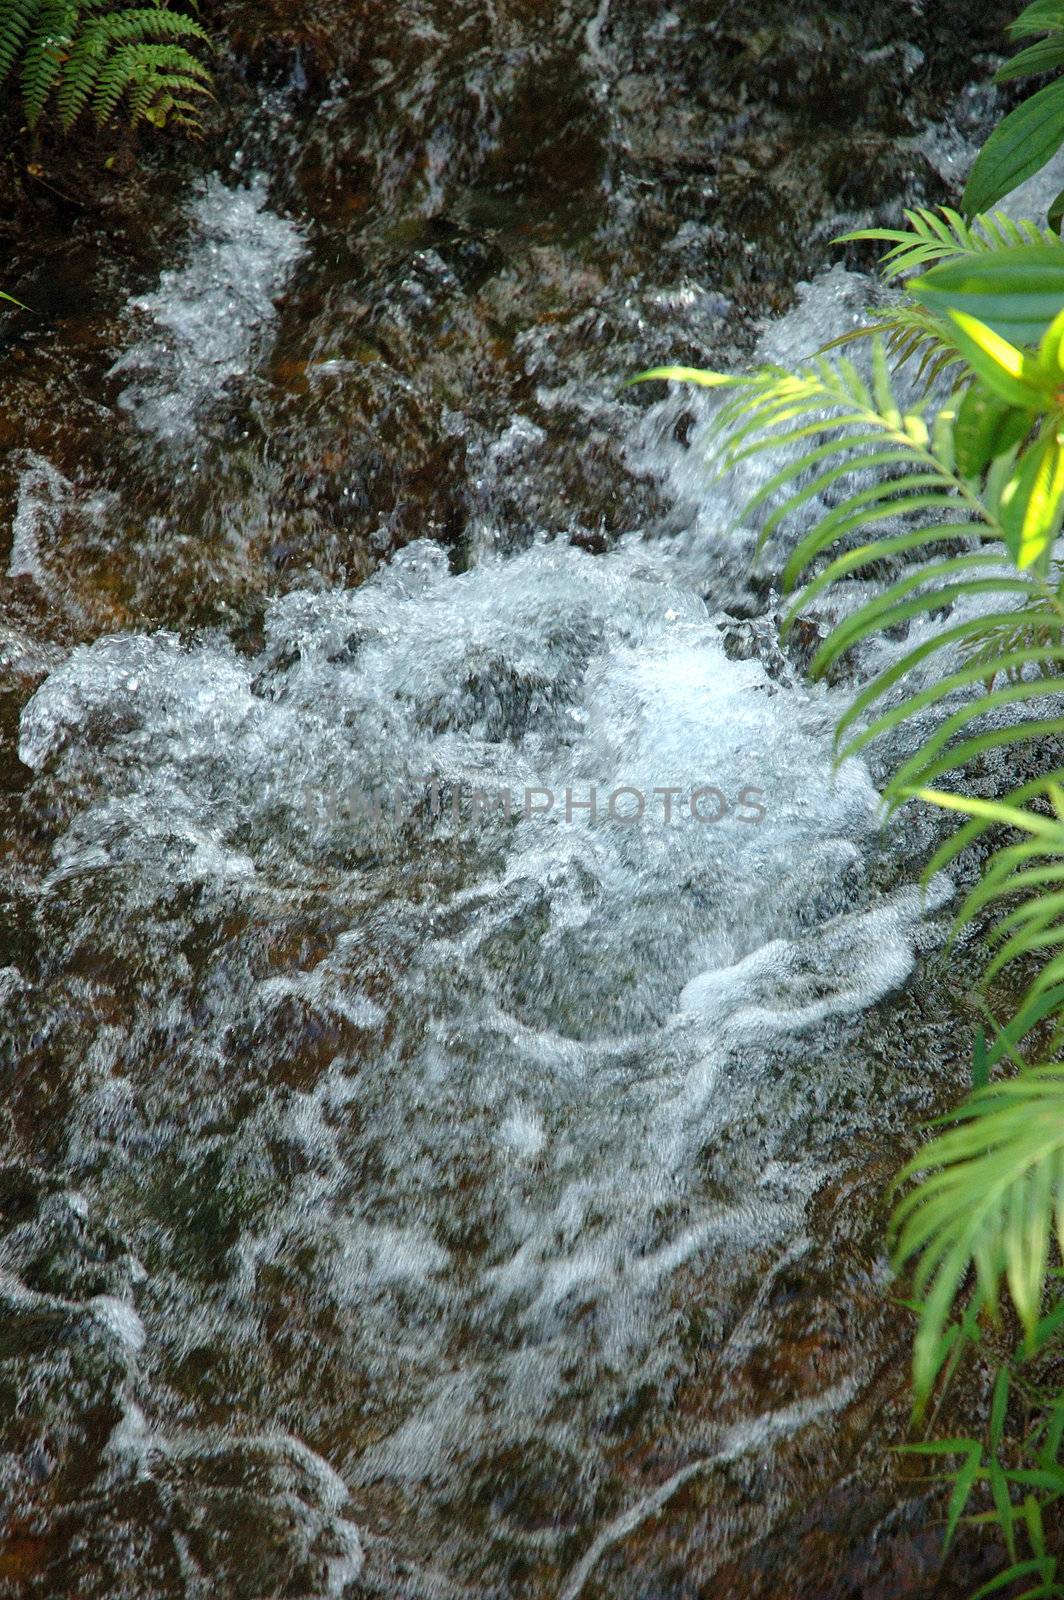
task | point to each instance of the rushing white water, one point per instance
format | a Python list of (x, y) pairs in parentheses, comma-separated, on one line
[(209, 317), (499, 941), (573, 1054), (42, 495)]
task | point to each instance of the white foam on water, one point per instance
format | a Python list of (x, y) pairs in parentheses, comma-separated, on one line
[(867, 955), (12, 983), (209, 318), (116, 1318), (120, 1320), (603, 1050), (43, 494), (596, 1000)]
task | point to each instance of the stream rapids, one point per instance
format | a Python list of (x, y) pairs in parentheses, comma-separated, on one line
[(457, 1028)]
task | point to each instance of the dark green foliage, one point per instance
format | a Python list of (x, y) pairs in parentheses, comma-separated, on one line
[(99, 57), (934, 240), (1032, 134), (1017, 290)]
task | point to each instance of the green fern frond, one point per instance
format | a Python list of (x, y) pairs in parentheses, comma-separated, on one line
[(153, 22), (42, 65), (944, 235), (991, 1197), (14, 31), (134, 66), (99, 37), (155, 99), (80, 72), (93, 54), (909, 332)]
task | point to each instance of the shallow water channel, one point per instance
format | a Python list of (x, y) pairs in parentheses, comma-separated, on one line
[(458, 1030)]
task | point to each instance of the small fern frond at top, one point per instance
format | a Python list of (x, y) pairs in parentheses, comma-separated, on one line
[(944, 235), (91, 56)]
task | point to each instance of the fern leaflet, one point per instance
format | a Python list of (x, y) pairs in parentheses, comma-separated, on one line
[(90, 55)]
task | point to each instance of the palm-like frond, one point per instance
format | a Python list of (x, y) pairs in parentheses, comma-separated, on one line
[(885, 466), (1030, 875), (1010, 1469), (944, 235), (991, 1196), (1007, 647), (961, 510), (909, 331)]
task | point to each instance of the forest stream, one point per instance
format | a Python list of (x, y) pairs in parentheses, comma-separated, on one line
[(458, 1028)]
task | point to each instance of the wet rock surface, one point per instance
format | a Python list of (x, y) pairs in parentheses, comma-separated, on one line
[(506, 211)]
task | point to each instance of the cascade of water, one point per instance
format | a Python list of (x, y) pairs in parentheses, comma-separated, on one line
[(442, 1000)]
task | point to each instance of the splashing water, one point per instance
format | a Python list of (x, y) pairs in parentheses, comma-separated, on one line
[(440, 1005), (210, 315), (534, 1050)]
